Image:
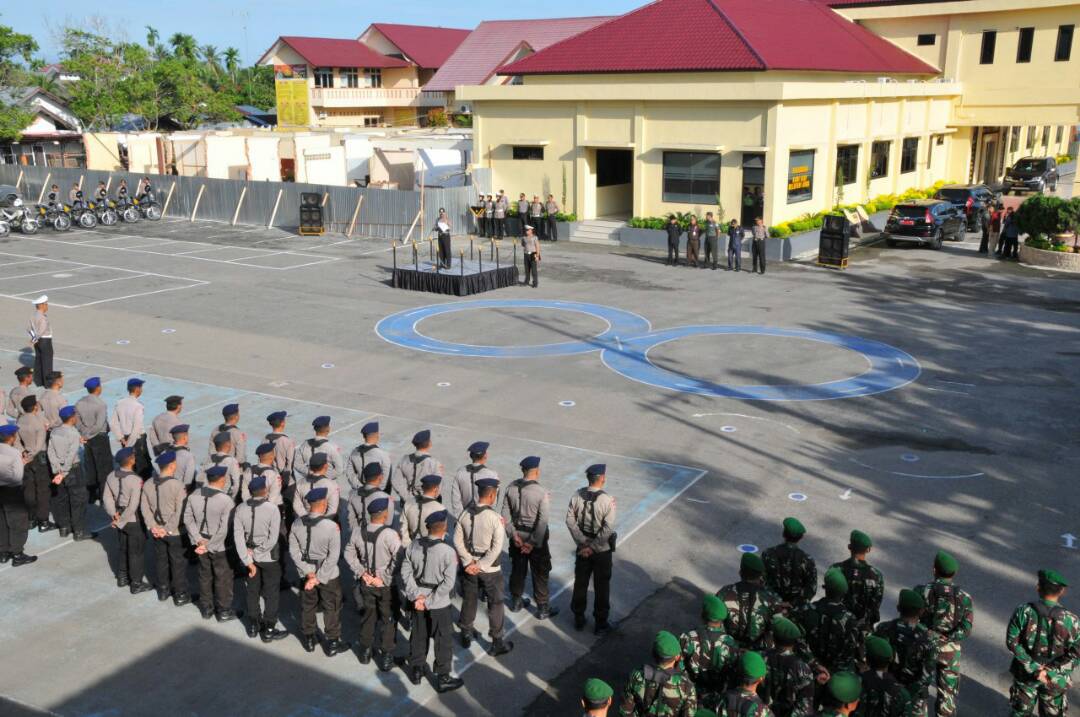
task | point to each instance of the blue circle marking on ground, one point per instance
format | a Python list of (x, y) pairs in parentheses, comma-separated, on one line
[(728, 429), (624, 347), (909, 458), (747, 548), (797, 497), (567, 404), (122, 342), (168, 331), (443, 384), (328, 365)]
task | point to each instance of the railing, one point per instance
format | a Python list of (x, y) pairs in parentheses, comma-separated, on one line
[(376, 97)]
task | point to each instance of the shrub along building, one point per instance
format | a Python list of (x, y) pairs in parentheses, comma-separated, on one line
[(779, 108)]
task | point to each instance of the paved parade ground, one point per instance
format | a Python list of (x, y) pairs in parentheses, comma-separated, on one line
[(928, 398)]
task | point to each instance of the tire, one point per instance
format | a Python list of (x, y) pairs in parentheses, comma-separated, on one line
[(28, 226), (5, 229), (152, 211), (130, 215), (88, 220), (935, 243), (891, 242), (108, 217), (62, 223)]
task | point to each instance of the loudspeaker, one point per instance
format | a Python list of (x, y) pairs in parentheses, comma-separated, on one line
[(309, 199), (311, 216), (834, 242)]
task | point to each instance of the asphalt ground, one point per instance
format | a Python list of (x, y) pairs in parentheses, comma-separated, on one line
[(976, 454)]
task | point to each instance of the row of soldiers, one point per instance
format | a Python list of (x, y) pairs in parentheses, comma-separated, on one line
[(492, 211)]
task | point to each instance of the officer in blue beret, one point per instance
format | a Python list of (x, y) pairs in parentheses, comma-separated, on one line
[(591, 521)]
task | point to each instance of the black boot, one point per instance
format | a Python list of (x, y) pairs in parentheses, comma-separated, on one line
[(163, 594), (467, 636), (384, 661), (19, 559), (516, 603), (181, 599), (364, 656), (308, 641), (226, 615), (446, 683), (140, 587), (271, 633), (500, 647), (546, 611), (4, 557), (45, 526), (253, 628), (416, 674), (64, 532), (336, 647)]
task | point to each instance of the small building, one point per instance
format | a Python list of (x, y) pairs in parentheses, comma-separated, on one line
[(54, 136)]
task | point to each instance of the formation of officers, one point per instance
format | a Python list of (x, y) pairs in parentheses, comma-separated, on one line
[(414, 535), (765, 646)]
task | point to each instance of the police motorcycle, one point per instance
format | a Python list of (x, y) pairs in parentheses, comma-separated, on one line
[(82, 212), (147, 203), (55, 213), (15, 213)]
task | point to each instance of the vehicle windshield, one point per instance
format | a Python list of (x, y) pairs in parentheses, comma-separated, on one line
[(910, 211), (953, 195), (1030, 165)]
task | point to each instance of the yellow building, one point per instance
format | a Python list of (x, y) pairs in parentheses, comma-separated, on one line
[(775, 108)]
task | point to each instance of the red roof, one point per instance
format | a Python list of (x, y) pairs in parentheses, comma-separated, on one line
[(427, 47), (724, 35), (869, 3), (328, 52), (492, 42)]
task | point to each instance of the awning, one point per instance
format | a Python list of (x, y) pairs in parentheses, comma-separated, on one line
[(607, 144), (690, 147), (530, 142)]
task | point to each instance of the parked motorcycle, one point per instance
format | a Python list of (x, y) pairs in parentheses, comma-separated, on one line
[(105, 211), (128, 210), (15, 213), (5, 229), (83, 215), (148, 206), (58, 216)]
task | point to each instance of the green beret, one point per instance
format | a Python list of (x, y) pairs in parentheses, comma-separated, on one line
[(861, 540), (945, 563), (752, 666), (597, 690), (752, 562), (666, 645), (845, 687), (793, 528), (702, 712), (835, 582), (1052, 578), (910, 600), (785, 630), (714, 609), (879, 649)]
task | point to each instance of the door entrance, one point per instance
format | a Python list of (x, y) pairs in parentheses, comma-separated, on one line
[(753, 188), (989, 164), (614, 183)]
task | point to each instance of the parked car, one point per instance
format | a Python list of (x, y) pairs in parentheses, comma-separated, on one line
[(1032, 174), (976, 201), (928, 222)]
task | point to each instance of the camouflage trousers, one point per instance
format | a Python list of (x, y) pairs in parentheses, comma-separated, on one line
[(1029, 697), (948, 681)]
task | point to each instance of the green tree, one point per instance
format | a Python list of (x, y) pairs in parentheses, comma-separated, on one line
[(14, 46), (232, 61), (152, 36), (184, 46), (212, 59)]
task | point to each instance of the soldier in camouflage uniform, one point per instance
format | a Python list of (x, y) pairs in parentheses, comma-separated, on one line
[(744, 701), (949, 616), (913, 650), (841, 695), (750, 604), (709, 654), (832, 632), (1044, 639), (789, 682), (882, 693), (866, 584), (790, 572), (596, 697), (661, 689)]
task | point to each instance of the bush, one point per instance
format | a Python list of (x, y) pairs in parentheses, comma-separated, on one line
[(1062, 248), (780, 231), (1037, 243), (1042, 215), (565, 217), (1063, 158)]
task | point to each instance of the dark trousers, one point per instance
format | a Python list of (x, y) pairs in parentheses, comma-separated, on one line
[(437, 625), (378, 608), (37, 487), (170, 566), (97, 463), (493, 588), (500, 227), (598, 567), (692, 251), (673, 252), (757, 253), (444, 249), (532, 268), (1011, 247), (538, 562), (143, 465), (43, 360), (328, 597), (266, 585), (69, 501), (734, 254), (552, 227), (14, 519), (132, 541), (489, 227), (537, 223), (711, 253), (215, 581)]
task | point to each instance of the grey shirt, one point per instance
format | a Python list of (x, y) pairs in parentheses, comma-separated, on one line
[(360, 457), (185, 466), (376, 551), (523, 207), (32, 431), (551, 207), (38, 327), (232, 472), (411, 468), (429, 569), (159, 435), (315, 547), (239, 441), (591, 519), (163, 503), (284, 452), (530, 244), (273, 482), (305, 449), (356, 508), (127, 420), (123, 493), (51, 402), (479, 538), (309, 482), (206, 518), (525, 509), (758, 232), (91, 416), (11, 466), (63, 450), (258, 522), (413, 516), (13, 405), (463, 487)]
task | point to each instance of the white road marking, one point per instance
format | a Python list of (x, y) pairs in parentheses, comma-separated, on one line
[(846, 495), (1070, 540)]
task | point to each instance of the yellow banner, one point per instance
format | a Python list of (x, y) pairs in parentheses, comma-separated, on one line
[(292, 102)]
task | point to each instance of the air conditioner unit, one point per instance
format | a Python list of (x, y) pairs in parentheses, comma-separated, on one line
[(465, 109), (883, 80), (322, 115)]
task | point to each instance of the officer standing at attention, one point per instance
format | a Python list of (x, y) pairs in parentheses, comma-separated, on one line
[(373, 554), (734, 248), (52, 400), (882, 693), (551, 224), (238, 443), (121, 500), (464, 486), (596, 698), (316, 478), (69, 503), (320, 443), (790, 572), (709, 653), (413, 466), (661, 688), (758, 235), (222, 456), (913, 651), (206, 519), (126, 425), (478, 539), (743, 701), (315, 547), (489, 216), (525, 509), (832, 632), (185, 462), (162, 510), (370, 489), (25, 377), (789, 681), (413, 525), (159, 436), (591, 521), (530, 248), (750, 604), (501, 205), (711, 232), (284, 450), (41, 337), (842, 695), (674, 231), (949, 617), (536, 216), (428, 572), (866, 584), (368, 452), (264, 454), (33, 430), (693, 241), (522, 212), (256, 530), (92, 420), (14, 517)]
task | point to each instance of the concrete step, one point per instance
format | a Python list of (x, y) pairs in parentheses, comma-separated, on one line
[(601, 232)]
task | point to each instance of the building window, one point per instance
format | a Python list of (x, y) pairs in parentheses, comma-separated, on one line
[(1046, 137), (1023, 44), (372, 120), (927, 39), (7, 156), (1030, 138), (373, 77), (800, 177), (691, 177), (1014, 139), (847, 164), (909, 152), (349, 77), (324, 77), (989, 43), (879, 159), (1060, 134), (528, 152), (1063, 51)]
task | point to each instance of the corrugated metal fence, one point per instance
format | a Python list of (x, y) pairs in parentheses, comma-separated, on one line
[(384, 213)]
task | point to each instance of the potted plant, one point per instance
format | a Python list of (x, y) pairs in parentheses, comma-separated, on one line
[(1043, 217)]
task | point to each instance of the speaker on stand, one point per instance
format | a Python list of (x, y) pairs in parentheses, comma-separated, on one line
[(311, 214)]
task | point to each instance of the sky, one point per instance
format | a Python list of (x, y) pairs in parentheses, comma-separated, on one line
[(252, 26)]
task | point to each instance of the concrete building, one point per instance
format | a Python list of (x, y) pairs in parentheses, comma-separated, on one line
[(783, 108), (54, 136)]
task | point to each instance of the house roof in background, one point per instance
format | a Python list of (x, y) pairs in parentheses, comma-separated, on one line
[(334, 52), (428, 47)]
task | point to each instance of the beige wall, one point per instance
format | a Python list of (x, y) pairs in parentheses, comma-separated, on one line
[(102, 150), (226, 157), (143, 154)]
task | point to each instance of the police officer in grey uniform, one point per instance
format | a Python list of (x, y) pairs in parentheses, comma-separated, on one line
[(256, 532), (523, 212), (92, 420), (478, 539), (238, 445), (501, 205), (373, 554), (206, 519), (33, 430), (419, 508), (186, 470), (41, 337), (317, 477), (121, 500), (369, 490), (315, 547), (162, 510), (64, 452), (406, 479), (536, 216), (428, 572), (284, 449), (222, 456), (489, 217), (525, 510), (463, 487), (25, 377), (127, 427), (158, 435), (591, 521), (264, 453), (530, 249), (320, 443), (52, 400), (551, 222), (14, 517), (368, 452)]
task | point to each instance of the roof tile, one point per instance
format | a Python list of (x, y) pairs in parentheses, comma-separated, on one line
[(428, 47), (333, 52)]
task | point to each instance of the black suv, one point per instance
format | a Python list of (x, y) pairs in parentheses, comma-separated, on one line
[(927, 222), (976, 201), (1032, 174)]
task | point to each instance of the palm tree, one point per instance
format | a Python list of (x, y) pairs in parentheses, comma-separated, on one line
[(152, 36), (232, 61), (210, 56), (183, 45)]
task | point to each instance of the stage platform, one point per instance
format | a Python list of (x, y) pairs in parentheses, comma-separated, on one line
[(463, 278)]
